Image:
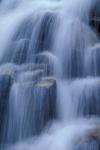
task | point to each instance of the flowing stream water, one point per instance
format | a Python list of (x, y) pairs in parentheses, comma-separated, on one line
[(49, 75)]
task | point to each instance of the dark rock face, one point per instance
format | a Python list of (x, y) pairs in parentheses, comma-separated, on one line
[(5, 85), (95, 16)]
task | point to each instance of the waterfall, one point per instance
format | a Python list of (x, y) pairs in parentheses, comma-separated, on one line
[(49, 74)]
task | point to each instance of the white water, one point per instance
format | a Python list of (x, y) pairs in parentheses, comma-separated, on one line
[(62, 136), (59, 31)]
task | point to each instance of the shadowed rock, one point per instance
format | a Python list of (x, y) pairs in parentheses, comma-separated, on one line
[(5, 85), (95, 16)]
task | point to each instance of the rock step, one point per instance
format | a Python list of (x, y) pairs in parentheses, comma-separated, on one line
[(32, 105)]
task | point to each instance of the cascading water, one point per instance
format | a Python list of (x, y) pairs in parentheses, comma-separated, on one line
[(49, 74)]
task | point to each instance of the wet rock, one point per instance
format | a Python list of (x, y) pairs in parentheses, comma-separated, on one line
[(17, 52), (31, 72), (89, 144), (17, 70), (8, 68), (49, 59), (42, 37), (32, 67), (86, 97), (5, 85), (72, 54), (35, 104), (48, 109), (90, 140), (30, 76), (95, 16), (92, 61), (32, 36)]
